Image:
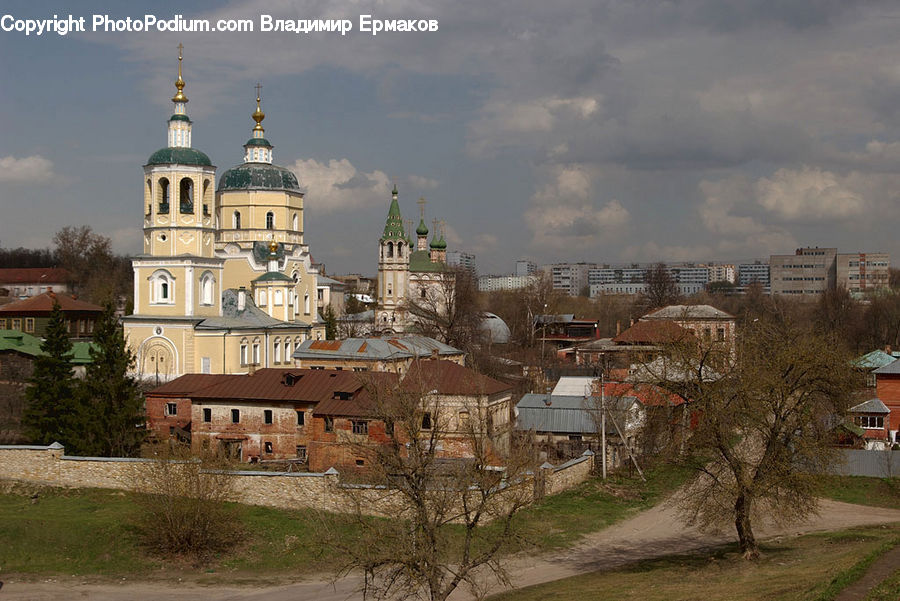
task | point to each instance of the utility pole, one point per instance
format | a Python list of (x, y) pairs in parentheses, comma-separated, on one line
[(603, 425)]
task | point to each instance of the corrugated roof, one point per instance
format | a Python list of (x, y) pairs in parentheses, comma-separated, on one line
[(33, 275), (404, 347), (688, 312), (449, 378), (871, 406), (44, 303), (188, 384), (890, 368)]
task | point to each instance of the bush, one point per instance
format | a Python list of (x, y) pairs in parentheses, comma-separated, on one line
[(182, 508)]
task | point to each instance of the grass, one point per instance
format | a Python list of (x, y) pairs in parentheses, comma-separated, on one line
[(877, 492), (887, 590), (791, 569), (87, 532)]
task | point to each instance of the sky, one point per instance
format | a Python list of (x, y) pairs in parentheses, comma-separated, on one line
[(587, 130)]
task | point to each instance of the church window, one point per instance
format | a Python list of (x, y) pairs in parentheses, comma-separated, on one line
[(390, 290), (163, 195), (276, 351), (287, 350), (256, 351), (162, 288), (244, 348), (186, 195), (423, 292), (236, 220), (207, 284), (279, 298), (270, 220), (306, 303), (390, 249), (262, 298), (296, 223), (400, 249)]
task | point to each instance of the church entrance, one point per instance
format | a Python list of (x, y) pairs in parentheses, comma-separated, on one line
[(158, 362)]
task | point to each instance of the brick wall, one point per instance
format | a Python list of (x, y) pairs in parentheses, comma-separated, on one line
[(49, 466)]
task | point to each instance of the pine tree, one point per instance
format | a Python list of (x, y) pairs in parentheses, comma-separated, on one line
[(112, 406), (330, 323), (51, 411)]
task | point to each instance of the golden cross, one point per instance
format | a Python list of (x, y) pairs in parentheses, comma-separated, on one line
[(180, 48), (258, 88), (421, 203)]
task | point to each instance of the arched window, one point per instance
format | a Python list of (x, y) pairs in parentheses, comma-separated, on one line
[(186, 195), (163, 195), (400, 249), (244, 354), (270, 220), (162, 288), (207, 197), (255, 348), (278, 299), (149, 196), (288, 349), (276, 351), (262, 298), (390, 249), (207, 287), (306, 303), (296, 223), (236, 220)]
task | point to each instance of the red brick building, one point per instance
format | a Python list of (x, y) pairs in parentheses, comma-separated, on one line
[(887, 389)]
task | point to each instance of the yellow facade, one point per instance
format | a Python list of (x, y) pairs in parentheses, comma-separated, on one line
[(208, 297)]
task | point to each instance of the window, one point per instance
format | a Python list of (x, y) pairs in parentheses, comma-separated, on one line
[(306, 303), (243, 353), (296, 223), (400, 249), (207, 415), (426, 421), (360, 427), (276, 352), (236, 220), (267, 416), (287, 350), (301, 453), (235, 416), (278, 299), (390, 249), (329, 424), (270, 220), (206, 289), (171, 409), (575, 437), (720, 334), (301, 418), (268, 447), (163, 196), (29, 324), (186, 195), (205, 365), (17, 324), (870, 421), (256, 352), (360, 462), (262, 300), (162, 288), (3, 324)]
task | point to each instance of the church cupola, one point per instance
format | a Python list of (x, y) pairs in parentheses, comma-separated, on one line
[(422, 230), (179, 123), (258, 149)]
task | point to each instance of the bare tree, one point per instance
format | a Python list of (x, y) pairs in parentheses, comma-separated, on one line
[(447, 309), (450, 519), (661, 290), (760, 419)]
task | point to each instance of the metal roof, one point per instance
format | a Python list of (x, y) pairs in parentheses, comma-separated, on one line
[(395, 347), (875, 359), (688, 312), (871, 406), (890, 368), (565, 414), (249, 318)]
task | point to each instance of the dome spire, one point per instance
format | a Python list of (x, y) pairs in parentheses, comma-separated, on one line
[(257, 149), (179, 97)]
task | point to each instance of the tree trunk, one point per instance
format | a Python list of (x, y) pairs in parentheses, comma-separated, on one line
[(746, 541)]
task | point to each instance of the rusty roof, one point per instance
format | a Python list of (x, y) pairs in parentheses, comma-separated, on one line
[(447, 377), (652, 332), (42, 303), (292, 385), (189, 384), (33, 275)]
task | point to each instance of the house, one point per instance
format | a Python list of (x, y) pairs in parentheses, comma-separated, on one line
[(887, 389), (390, 353), (873, 416), (705, 321), (18, 351), (25, 282), (454, 400), (564, 330), (871, 361), (642, 342), (32, 314), (566, 422)]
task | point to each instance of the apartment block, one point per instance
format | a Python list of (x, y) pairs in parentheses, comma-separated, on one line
[(809, 271), (748, 273), (570, 278), (457, 258), (525, 267), (863, 272), (492, 283), (722, 272)]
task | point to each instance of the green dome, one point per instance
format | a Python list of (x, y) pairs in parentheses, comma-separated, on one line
[(258, 142), (439, 244), (179, 156), (422, 230), (258, 176)]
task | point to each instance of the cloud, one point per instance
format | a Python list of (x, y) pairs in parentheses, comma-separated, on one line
[(337, 185), (563, 211), (34, 169), (807, 195), (422, 183)]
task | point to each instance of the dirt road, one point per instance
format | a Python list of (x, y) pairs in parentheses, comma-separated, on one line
[(652, 533)]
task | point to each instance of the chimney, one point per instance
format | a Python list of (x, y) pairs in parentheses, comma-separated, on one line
[(242, 298), (251, 369), (434, 354)]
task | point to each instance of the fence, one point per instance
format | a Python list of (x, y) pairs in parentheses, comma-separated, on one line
[(876, 464)]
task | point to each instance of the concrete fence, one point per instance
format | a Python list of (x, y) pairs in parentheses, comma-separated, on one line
[(876, 464), (48, 465)]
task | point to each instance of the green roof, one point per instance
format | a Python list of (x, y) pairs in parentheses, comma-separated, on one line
[(14, 340), (179, 156), (258, 142), (420, 260), (438, 243), (179, 118), (422, 230), (393, 226), (258, 176), (273, 276)]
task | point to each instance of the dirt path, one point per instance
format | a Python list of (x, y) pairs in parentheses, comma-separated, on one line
[(883, 567), (652, 533)]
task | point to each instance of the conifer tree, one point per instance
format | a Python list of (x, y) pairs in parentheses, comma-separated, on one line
[(50, 410), (330, 318), (111, 403)]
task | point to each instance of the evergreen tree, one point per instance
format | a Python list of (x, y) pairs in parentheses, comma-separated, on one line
[(112, 405), (330, 323), (51, 410)]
